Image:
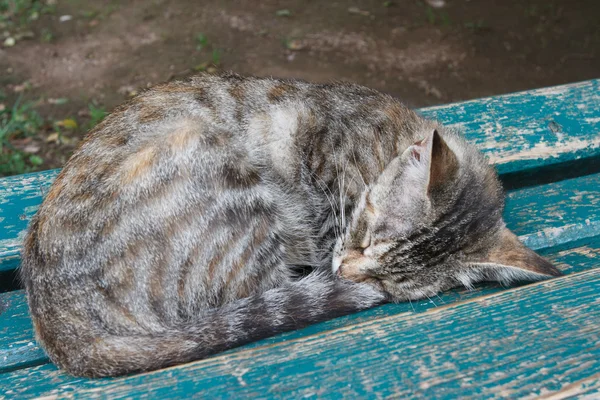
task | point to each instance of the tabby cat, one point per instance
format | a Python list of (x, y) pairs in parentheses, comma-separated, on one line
[(205, 214)]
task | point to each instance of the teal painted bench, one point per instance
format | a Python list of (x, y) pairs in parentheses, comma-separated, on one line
[(537, 340)]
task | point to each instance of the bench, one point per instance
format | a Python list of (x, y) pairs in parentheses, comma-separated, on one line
[(536, 340)]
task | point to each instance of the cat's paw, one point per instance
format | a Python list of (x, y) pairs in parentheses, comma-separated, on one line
[(366, 294)]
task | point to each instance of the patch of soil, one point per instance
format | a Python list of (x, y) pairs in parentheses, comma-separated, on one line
[(423, 55)]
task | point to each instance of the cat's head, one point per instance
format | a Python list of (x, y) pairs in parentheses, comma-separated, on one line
[(431, 221)]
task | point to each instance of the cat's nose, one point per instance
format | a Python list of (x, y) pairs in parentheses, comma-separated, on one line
[(353, 254), (349, 270)]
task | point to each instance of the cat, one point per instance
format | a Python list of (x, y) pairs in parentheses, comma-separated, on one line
[(205, 214)]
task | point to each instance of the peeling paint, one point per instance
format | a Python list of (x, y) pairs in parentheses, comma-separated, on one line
[(543, 150)]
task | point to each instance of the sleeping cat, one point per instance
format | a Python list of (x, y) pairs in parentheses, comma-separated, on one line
[(202, 215)]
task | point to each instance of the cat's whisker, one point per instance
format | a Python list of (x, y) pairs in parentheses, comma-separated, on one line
[(358, 170), (443, 302), (339, 182), (342, 210), (343, 198), (342, 206), (348, 186), (337, 179), (341, 191), (430, 299), (411, 305)]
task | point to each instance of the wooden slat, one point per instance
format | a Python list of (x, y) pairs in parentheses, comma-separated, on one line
[(529, 129), (517, 131), (546, 217), (555, 214), (18, 347), (525, 342), (20, 197)]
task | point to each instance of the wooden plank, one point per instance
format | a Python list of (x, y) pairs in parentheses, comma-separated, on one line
[(517, 131), (529, 341), (545, 217), (20, 197), (529, 129), (555, 214), (18, 347)]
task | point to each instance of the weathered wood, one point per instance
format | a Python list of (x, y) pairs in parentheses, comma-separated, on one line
[(555, 214), (18, 347), (517, 131), (544, 217), (529, 129), (525, 342), (585, 389), (20, 197)]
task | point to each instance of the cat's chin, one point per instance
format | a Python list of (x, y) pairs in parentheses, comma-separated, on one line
[(364, 279), (410, 293), (376, 283)]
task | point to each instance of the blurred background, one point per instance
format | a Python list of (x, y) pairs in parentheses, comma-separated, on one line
[(65, 63)]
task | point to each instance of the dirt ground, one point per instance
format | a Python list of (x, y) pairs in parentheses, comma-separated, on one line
[(84, 55)]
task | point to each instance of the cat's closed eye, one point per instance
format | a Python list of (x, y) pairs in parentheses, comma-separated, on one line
[(366, 242)]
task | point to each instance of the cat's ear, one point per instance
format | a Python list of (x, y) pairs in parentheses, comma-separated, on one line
[(507, 261), (438, 160)]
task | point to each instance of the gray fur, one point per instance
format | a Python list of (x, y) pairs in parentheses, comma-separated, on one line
[(202, 215)]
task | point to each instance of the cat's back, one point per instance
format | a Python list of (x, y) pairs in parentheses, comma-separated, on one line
[(176, 128)]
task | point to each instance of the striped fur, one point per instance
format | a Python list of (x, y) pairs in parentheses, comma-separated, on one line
[(202, 215)]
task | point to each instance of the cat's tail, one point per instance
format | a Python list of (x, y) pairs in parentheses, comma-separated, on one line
[(315, 298)]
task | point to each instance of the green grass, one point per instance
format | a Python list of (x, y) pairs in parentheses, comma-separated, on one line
[(16, 16), (46, 36), (17, 122), (19, 13), (201, 41), (436, 17), (202, 44), (98, 10), (216, 57), (22, 126), (97, 114), (478, 25)]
